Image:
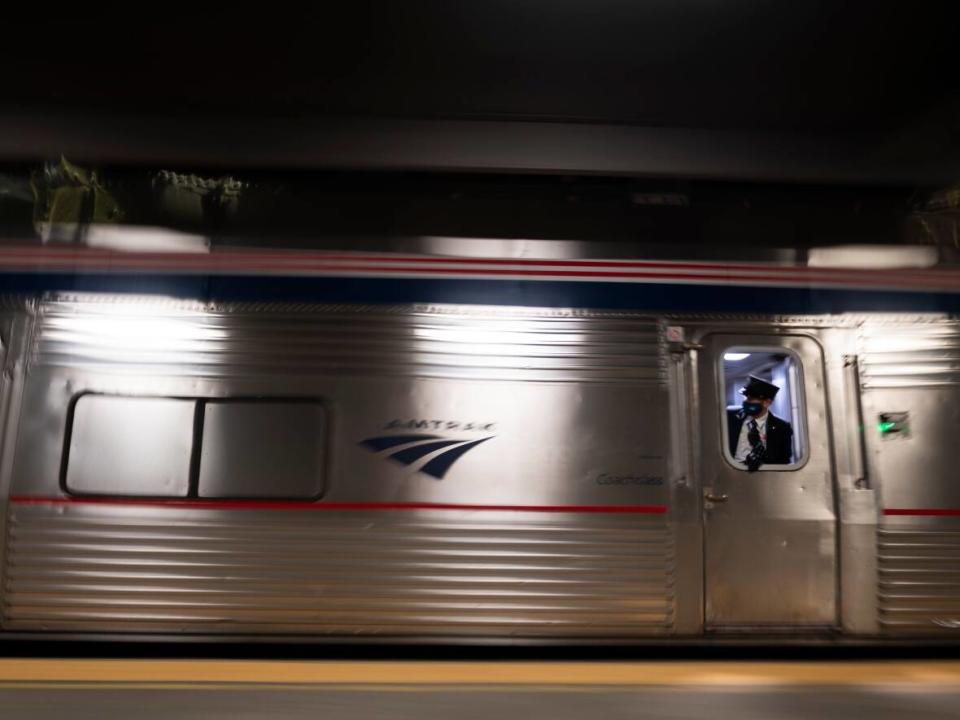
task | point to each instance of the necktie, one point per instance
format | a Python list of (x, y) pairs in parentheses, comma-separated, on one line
[(755, 457)]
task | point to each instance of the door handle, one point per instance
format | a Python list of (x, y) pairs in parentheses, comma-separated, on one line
[(721, 498)]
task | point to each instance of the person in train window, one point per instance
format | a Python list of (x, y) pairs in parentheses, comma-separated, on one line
[(757, 436)]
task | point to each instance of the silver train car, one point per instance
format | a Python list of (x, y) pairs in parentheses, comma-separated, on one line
[(318, 444)]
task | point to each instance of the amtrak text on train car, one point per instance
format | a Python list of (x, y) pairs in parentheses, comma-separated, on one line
[(642, 479), (448, 425)]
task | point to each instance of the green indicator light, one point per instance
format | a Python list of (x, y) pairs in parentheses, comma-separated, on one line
[(886, 427)]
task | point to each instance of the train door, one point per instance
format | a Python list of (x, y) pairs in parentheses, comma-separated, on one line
[(768, 507)]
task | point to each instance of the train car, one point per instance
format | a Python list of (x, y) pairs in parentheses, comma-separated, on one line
[(260, 443)]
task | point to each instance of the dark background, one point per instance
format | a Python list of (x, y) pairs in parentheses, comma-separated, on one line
[(783, 123)]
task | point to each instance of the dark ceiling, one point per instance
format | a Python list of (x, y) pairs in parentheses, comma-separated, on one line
[(874, 85), (716, 64)]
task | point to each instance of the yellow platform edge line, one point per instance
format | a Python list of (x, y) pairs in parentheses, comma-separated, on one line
[(479, 673), (365, 687)]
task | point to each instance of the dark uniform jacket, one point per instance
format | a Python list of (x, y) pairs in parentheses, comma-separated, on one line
[(779, 437)]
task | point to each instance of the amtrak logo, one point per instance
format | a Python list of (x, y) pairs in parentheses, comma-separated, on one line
[(411, 449), (951, 623)]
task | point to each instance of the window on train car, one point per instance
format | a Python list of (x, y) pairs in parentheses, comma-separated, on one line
[(130, 446), (763, 418), (262, 449)]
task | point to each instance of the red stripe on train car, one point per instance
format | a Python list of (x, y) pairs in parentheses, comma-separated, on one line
[(288, 255), (306, 505), (863, 279), (319, 262)]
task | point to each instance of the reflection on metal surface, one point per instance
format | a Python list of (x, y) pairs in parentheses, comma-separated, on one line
[(924, 354), (133, 238), (919, 578), (437, 572), (874, 256), (129, 331), (186, 338)]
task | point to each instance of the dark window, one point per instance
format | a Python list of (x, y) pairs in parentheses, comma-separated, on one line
[(137, 446), (266, 449)]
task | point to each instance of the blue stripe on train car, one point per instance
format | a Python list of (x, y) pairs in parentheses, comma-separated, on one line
[(545, 293)]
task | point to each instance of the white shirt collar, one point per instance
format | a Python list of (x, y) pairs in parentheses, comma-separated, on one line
[(761, 422)]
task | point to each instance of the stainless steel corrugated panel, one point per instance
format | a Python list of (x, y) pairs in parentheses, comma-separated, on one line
[(456, 342), (388, 572), (919, 577), (900, 355)]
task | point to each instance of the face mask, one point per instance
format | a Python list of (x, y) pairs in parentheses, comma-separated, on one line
[(752, 408)]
